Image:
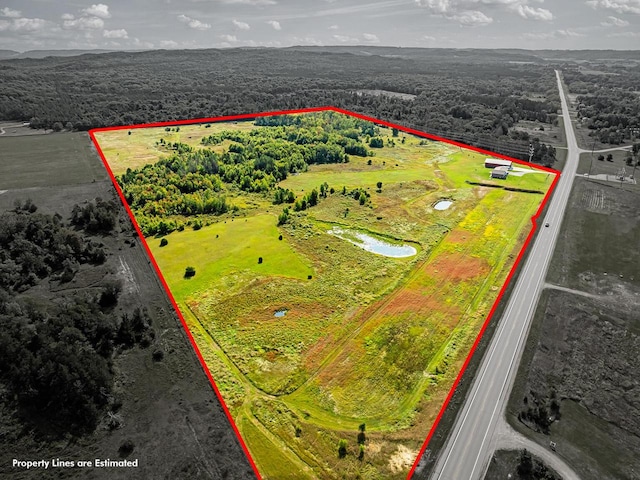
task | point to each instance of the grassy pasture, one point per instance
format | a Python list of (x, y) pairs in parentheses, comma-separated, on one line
[(138, 148), (228, 248), (365, 338)]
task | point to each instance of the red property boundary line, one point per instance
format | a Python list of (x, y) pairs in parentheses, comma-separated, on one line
[(534, 221)]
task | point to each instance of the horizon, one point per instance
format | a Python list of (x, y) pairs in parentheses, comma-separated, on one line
[(260, 47), (195, 24)]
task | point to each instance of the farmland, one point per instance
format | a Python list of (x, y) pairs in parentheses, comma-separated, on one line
[(334, 356)]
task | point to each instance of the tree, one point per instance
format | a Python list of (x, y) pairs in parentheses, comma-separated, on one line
[(259, 260), (164, 242), (379, 185), (376, 142), (361, 435), (57, 127), (189, 272), (601, 157), (394, 132), (342, 448), (610, 158), (525, 467)]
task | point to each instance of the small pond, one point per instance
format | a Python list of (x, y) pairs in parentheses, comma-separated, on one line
[(443, 204), (280, 313), (373, 245)]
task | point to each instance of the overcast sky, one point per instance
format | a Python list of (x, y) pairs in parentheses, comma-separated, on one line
[(137, 24)]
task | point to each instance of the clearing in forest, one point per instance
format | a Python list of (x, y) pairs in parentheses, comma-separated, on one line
[(334, 273)]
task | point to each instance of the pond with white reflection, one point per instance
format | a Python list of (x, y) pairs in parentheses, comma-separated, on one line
[(443, 204), (372, 244)]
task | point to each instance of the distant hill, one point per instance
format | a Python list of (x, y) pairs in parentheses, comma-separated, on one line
[(58, 53), (8, 54)]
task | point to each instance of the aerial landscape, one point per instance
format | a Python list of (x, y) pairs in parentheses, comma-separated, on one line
[(330, 293), (245, 239)]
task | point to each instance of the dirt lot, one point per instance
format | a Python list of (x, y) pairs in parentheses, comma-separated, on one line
[(169, 411), (582, 356)]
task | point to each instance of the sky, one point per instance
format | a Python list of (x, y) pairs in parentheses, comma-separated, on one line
[(177, 24)]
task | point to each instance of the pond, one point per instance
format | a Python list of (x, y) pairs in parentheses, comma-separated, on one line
[(280, 313), (373, 245), (443, 204)]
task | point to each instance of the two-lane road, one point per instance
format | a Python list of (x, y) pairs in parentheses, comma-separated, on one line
[(468, 449)]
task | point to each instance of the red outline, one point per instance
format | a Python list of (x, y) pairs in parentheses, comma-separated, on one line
[(203, 364)]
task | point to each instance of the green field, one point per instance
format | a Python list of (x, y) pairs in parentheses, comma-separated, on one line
[(360, 339)]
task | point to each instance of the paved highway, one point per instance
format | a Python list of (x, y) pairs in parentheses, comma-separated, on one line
[(468, 449)]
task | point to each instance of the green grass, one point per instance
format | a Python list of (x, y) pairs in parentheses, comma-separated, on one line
[(235, 252), (48, 160), (367, 338), (123, 150), (274, 464)]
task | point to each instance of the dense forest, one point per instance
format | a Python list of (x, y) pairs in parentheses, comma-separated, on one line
[(474, 97), (173, 192), (56, 358), (608, 101)]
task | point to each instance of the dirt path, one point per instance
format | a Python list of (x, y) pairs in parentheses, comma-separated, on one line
[(575, 292), (506, 438)]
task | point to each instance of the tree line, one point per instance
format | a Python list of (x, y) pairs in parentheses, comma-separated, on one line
[(476, 99)]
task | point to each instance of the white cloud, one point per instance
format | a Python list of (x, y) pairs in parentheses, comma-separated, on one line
[(333, 27), (10, 13), (466, 13), (142, 44), (471, 18), (624, 34), (98, 10), (67, 16), (566, 33), (428, 38), (229, 38), (83, 23), (569, 33), (194, 23), (121, 33), (344, 38), (22, 25), (525, 11), (168, 44), (618, 6), (456, 10), (371, 38), (241, 25), (275, 24), (614, 22)]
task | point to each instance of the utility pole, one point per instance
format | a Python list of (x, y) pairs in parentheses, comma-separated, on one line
[(591, 164)]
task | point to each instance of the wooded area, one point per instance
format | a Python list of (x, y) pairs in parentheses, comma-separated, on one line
[(473, 97)]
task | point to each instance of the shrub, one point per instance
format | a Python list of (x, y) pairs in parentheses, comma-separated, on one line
[(189, 272), (164, 242)]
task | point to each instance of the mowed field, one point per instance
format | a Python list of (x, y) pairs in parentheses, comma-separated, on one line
[(364, 347), (23, 160)]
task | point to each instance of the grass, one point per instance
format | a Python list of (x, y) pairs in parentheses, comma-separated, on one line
[(231, 247), (365, 338), (138, 148), (26, 161)]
